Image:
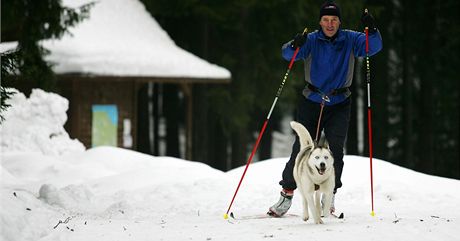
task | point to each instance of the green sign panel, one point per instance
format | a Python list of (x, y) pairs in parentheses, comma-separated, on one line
[(104, 125)]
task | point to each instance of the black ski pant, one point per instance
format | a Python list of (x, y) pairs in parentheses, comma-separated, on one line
[(334, 122)]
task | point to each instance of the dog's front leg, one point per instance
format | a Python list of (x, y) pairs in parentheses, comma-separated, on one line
[(327, 204), (317, 197), (305, 216), (328, 193), (314, 211)]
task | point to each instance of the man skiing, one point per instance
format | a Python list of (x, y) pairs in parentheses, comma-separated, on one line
[(329, 55)]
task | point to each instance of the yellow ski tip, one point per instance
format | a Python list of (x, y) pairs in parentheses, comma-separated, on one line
[(372, 214), (226, 216)]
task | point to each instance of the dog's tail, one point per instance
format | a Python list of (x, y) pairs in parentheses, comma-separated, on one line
[(304, 135)]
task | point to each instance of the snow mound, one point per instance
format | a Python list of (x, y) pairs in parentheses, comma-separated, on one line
[(45, 134), (125, 195), (72, 197)]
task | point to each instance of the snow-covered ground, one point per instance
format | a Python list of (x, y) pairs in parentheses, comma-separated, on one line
[(54, 190)]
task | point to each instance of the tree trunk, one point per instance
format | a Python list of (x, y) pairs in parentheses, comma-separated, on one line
[(355, 122), (200, 124), (407, 88), (239, 150), (427, 68)]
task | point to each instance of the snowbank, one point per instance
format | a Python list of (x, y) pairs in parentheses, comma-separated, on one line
[(35, 124), (109, 193)]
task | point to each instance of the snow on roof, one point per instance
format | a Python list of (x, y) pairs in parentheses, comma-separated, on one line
[(120, 38), (8, 46)]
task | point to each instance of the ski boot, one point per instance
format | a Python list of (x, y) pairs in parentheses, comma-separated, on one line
[(282, 206)]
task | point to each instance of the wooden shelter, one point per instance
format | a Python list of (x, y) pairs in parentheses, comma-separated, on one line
[(110, 56), (85, 91)]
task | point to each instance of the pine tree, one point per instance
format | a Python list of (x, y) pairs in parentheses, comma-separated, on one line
[(30, 21), (9, 62)]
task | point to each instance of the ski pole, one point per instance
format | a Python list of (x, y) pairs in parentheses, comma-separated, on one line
[(369, 113), (254, 149)]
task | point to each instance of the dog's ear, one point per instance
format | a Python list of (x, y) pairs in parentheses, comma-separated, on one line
[(326, 144), (304, 135), (323, 143)]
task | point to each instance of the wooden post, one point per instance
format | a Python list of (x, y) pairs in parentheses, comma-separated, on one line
[(188, 93)]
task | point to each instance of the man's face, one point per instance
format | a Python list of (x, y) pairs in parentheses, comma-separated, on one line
[(329, 24)]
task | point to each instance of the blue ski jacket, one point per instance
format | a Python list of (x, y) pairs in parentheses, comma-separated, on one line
[(329, 64)]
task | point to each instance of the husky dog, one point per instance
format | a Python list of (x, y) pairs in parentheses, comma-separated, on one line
[(314, 174)]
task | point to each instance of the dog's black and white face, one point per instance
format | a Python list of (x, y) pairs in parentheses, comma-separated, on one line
[(317, 156), (321, 160)]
